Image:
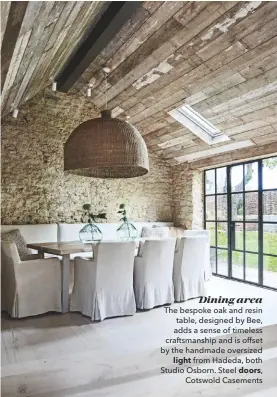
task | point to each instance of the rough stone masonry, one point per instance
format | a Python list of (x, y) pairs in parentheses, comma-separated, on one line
[(34, 187)]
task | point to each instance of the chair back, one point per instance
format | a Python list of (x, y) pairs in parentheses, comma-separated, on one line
[(193, 253), (114, 264), (158, 256)]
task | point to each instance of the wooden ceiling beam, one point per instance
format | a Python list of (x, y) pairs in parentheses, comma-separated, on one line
[(16, 15), (100, 34)]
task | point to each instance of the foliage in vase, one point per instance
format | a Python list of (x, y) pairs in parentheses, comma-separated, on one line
[(90, 216), (122, 210)]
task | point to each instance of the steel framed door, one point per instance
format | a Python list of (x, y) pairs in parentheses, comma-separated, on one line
[(241, 214)]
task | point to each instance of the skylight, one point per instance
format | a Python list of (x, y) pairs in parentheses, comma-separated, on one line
[(198, 125)]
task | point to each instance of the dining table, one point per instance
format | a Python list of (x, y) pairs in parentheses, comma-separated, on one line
[(64, 250)]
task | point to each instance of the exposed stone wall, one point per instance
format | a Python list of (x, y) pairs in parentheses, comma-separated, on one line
[(188, 197), (34, 187)]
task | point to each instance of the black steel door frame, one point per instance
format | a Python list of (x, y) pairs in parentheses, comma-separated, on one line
[(231, 223)]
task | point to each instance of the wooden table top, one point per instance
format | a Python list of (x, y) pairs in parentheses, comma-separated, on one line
[(66, 248)]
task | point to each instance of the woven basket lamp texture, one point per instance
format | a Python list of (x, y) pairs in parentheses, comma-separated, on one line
[(106, 147)]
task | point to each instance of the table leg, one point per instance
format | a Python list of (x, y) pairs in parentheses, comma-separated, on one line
[(41, 253), (65, 282)]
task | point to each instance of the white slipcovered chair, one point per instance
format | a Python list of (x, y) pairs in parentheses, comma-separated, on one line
[(206, 233), (153, 273), (31, 287), (103, 286), (189, 267)]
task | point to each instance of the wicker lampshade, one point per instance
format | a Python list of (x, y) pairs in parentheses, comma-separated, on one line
[(106, 147)]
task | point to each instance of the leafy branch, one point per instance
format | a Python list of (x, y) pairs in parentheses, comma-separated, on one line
[(122, 210), (90, 216)]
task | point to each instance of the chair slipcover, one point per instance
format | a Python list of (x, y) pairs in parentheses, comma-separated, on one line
[(208, 267), (189, 267), (103, 286), (30, 287), (153, 273)]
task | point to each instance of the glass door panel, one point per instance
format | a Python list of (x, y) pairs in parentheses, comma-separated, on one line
[(251, 176), (270, 271), (252, 268), (222, 234), (222, 262), (237, 265), (237, 203), (252, 237), (251, 206), (222, 207)]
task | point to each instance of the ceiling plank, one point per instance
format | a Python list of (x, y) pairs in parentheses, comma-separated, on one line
[(168, 50), (15, 19), (235, 156), (99, 36), (94, 73), (261, 140), (141, 36), (79, 20), (56, 39), (214, 9), (5, 8), (38, 25), (46, 29)]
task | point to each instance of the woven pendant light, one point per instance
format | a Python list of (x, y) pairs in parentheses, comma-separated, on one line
[(106, 147)]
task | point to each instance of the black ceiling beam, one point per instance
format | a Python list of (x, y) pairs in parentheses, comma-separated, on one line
[(100, 34)]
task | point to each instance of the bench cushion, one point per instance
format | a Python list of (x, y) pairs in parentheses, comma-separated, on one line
[(40, 233)]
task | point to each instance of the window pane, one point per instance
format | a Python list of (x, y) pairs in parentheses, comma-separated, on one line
[(269, 173), (270, 271), (222, 208), (210, 208), (239, 236), (213, 262), (251, 268), (221, 180), (211, 227), (237, 207), (237, 178), (270, 206), (210, 182), (222, 237), (222, 262), (251, 206), (251, 176), (237, 265), (270, 239), (251, 237)]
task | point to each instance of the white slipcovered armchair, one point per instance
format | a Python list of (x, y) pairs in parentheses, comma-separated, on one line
[(31, 287), (153, 273), (189, 267), (103, 286)]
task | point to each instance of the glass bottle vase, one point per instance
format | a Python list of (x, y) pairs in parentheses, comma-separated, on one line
[(90, 233), (127, 231)]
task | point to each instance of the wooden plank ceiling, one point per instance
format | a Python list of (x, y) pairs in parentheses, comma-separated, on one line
[(48, 33), (219, 57)]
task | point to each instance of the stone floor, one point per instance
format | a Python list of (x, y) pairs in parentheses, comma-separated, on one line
[(68, 356)]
